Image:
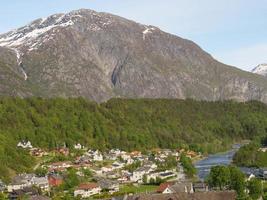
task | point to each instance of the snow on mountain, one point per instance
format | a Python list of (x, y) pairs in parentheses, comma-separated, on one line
[(147, 31), (29, 33), (35, 34), (260, 69)]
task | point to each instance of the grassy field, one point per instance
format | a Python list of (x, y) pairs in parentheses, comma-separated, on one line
[(138, 189)]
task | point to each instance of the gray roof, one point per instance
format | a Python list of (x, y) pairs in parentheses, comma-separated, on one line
[(22, 179)]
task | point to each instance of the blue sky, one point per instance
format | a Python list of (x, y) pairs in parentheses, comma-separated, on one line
[(232, 31)]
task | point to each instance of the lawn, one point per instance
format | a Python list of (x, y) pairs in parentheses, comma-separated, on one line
[(138, 189)]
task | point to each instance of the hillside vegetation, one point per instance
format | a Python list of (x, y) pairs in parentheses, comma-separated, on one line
[(127, 124)]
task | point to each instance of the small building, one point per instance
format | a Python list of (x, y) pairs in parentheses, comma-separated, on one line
[(109, 185), (18, 194), (138, 174), (78, 146), (25, 145), (38, 152), (164, 188), (200, 187), (64, 151), (55, 180), (172, 187), (42, 183), (167, 174), (86, 190), (97, 156), (21, 181), (221, 195), (60, 166)]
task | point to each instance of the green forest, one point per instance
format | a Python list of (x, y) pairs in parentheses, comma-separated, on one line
[(129, 124), (251, 156)]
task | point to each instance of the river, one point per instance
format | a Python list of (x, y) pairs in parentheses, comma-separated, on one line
[(203, 166)]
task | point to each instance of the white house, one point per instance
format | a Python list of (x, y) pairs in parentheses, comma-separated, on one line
[(25, 145), (97, 156), (41, 182), (138, 174), (78, 146), (86, 190), (60, 165)]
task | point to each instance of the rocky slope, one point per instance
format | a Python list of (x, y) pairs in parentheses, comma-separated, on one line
[(260, 69), (100, 56)]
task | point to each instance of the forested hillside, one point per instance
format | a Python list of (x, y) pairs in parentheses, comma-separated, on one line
[(126, 124)]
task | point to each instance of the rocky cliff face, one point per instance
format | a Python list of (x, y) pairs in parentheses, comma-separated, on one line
[(100, 56)]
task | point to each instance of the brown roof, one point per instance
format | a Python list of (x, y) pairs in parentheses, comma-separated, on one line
[(222, 195), (163, 186), (88, 186)]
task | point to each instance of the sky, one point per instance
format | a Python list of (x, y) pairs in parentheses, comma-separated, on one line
[(232, 31)]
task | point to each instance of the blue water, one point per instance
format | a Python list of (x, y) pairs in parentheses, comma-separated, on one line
[(204, 166)]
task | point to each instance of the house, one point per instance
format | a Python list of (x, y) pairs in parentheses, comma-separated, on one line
[(60, 166), (78, 146), (64, 151), (152, 175), (113, 175), (165, 187), (84, 160), (138, 174), (172, 187), (55, 180), (200, 187), (107, 169), (95, 155), (167, 174), (109, 185), (136, 154), (38, 152), (27, 191), (114, 154), (41, 182), (221, 195), (25, 145), (185, 187), (21, 181), (86, 190)]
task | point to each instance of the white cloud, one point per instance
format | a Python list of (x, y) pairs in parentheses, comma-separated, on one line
[(246, 58)]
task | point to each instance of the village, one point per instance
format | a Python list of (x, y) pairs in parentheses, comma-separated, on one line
[(102, 174), (84, 173)]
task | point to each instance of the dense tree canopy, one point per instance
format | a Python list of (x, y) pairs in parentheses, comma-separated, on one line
[(141, 124), (251, 156)]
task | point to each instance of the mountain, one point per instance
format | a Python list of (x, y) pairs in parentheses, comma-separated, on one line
[(100, 56), (260, 69)]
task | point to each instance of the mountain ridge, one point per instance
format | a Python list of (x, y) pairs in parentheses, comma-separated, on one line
[(101, 56), (261, 69)]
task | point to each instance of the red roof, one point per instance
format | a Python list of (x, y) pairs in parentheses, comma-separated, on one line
[(88, 186), (163, 186)]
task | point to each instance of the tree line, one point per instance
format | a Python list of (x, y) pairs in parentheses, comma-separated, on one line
[(141, 124)]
